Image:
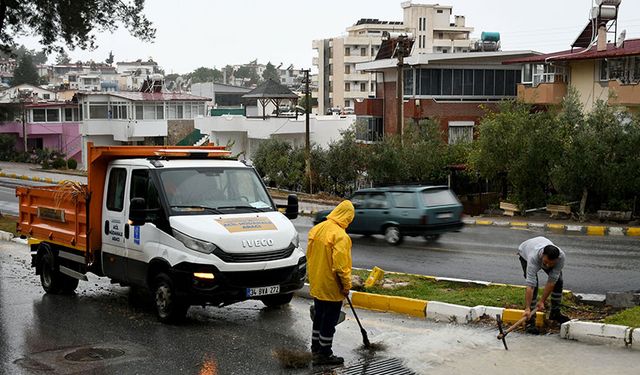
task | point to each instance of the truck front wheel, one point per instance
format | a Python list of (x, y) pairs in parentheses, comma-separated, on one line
[(277, 300), (169, 308), (52, 280)]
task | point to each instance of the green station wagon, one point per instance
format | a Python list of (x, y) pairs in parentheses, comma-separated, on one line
[(400, 211)]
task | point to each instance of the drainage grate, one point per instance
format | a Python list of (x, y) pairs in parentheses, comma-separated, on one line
[(93, 354), (381, 366)]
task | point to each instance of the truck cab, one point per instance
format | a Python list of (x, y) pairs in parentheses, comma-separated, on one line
[(194, 231)]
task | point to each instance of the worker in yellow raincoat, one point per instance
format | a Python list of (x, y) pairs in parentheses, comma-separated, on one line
[(329, 270)]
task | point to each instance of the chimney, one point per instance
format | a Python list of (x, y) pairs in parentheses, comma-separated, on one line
[(602, 38)]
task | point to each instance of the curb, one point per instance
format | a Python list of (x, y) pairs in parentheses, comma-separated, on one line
[(6, 236), (599, 333), (429, 310), (590, 230), (29, 178)]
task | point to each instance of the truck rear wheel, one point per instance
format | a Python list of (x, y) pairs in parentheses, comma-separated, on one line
[(277, 300), (169, 308), (52, 280)]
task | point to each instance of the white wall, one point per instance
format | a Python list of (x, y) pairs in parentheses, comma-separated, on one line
[(248, 132)]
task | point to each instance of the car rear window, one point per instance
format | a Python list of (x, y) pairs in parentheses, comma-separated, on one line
[(404, 200), (434, 198)]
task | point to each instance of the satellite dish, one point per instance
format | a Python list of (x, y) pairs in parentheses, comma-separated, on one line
[(621, 38)]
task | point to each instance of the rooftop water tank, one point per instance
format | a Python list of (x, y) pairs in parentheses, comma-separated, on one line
[(490, 36)]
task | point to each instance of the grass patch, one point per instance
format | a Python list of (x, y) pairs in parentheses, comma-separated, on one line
[(8, 224), (450, 292), (629, 317)]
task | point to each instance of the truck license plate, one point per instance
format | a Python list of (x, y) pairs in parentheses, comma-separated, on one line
[(264, 291)]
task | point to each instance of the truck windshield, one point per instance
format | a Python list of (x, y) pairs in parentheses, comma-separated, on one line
[(217, 190)]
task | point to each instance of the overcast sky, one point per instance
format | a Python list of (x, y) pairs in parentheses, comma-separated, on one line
[(193, 33)]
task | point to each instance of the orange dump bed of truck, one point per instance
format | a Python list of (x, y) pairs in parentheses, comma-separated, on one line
[(70, 214), (57, 214)]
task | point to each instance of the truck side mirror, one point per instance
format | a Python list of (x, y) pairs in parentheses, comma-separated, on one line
[(292, 207), (137, 211)]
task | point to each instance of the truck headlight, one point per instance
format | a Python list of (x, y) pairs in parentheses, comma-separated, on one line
[(193, 243), (296, 240)]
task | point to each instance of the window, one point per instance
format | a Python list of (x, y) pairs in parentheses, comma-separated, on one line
[(373, 87), (363, 51), (604, 73), (347, 69), (68, 114), (500, 82), (489, 83), (373, 53), (370, 129), (347, 86), (460, 132), (440, 35), (404, 199), (440, 11), (98, 111), (35, 143), (420, 24), (139, 112), (435, 198), (142, 186), (377, 200), (363, 86), (468, 82), (478, 82), (347, 51), (358, 200), (46, 96), (159, 112), (408, 81), (527, 73), (39, 115), (115, 189), (447, 81), (53, 115), (457, 82), (347, 103), (510, 83)]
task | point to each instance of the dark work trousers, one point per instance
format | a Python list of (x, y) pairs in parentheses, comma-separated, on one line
[(324, 326), (556, 294)]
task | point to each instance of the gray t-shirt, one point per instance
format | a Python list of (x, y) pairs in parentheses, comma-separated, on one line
[(531, 251)]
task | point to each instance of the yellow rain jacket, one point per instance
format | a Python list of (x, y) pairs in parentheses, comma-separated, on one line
[(329, 255)]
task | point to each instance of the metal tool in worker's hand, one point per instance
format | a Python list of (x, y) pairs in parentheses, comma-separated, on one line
[(503, 334)]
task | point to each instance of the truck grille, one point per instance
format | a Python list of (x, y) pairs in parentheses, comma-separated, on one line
[(254, 257)]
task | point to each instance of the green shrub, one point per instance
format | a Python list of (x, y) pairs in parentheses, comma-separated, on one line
[(72, 164), (59, 163)]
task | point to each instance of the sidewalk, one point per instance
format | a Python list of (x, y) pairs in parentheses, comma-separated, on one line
[(24, 171)]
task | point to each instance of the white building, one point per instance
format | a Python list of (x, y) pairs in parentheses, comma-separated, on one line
[(35, 94), (134, 117), (339, 84), (244, 135)]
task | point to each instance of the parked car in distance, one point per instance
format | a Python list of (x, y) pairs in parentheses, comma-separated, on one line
[(400, 211)]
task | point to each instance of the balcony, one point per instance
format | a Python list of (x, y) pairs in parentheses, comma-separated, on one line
[(621, 94), (370, 107), (125, 130), (544, 93), (356, 59)]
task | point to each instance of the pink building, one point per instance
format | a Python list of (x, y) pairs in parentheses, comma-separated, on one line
[(51, 125)]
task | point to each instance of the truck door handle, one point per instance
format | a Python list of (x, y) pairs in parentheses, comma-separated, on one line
[(106, 227), (385, 212), (126, 231)]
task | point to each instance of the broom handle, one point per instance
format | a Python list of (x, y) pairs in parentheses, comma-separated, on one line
[(354, 312)]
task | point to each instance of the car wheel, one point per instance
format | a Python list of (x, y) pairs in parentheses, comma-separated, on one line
[(432, 237), (277, 300), (392, 235), (169, 308)]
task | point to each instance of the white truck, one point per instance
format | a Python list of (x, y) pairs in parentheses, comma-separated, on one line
[(190, 224)]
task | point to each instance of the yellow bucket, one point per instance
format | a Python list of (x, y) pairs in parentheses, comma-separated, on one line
[(375, 277)]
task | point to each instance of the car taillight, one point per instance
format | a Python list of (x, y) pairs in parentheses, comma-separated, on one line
[(424, 220)]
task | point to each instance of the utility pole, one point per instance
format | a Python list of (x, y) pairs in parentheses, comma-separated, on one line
[(403, 49), (307, 141)]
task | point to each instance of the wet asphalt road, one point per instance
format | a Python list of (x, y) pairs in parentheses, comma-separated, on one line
[(594, 264), (39, 332)]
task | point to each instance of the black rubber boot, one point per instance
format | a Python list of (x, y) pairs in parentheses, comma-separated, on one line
[(531, 326), (327, 360), (559, 317)]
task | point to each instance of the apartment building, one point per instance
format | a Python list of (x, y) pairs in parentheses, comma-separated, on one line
[(340, 85), (436, 29)]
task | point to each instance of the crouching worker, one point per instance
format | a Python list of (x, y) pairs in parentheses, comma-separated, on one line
[(537, 254), (329, 270)]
